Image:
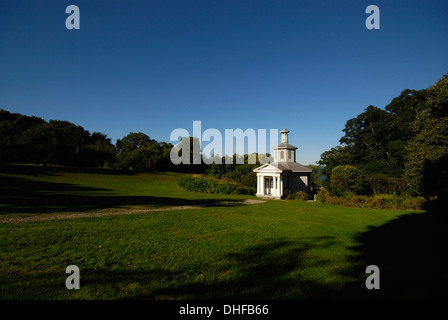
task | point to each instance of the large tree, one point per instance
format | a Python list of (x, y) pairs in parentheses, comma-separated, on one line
[(332, 158), (367, 140), (55, 142), (12, 128), (98, 151), (139, 152), (27, 139), (427, 151), (376, 139)]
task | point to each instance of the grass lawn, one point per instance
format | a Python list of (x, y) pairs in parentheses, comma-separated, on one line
[(272, 250)]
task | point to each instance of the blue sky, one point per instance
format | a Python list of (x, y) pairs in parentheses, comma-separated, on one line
[(154, 66)]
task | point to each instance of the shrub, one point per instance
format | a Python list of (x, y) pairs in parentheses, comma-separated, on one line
[(382, 201), (299, 195), (415, 203), (382, 184), (213, 185), (321, 195), (346, 179)]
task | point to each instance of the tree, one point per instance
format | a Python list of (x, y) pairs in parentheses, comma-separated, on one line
[(376, 139), (315, 177), (428, 149), (12, 128), (346, 179), (139, 152), (187, 155), (332, 158), (366, 138), (98, 151)]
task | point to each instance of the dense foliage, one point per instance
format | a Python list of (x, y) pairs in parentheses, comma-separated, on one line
[(26, 139), (346, 179), (206, 184), (401, 149), (379, 201), (139, 152), (298, 195), (225, 178), (241, 173)]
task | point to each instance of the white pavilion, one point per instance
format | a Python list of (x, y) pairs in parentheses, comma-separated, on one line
[(284, 173)]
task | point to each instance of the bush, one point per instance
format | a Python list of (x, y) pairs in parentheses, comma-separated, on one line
[(345, 180), (415, 203), (213, 185), (382, 201), (321, 195), (382, 184), (300, 195)]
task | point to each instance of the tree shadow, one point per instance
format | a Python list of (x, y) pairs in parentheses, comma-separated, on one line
[(270, 270), (34, 170), (410, 252), (22, 195)]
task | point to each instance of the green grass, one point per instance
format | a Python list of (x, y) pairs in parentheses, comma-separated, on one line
[(36, 189), (273, 250)]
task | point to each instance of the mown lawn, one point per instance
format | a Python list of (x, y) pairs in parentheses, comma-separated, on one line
[(272, 250)]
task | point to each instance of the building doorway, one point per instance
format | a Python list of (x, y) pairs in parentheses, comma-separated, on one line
[(269, 185)]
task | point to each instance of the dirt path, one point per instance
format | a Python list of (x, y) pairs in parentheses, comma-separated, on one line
[(108, 212)]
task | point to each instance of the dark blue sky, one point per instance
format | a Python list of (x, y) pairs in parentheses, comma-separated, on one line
[(154, 66)]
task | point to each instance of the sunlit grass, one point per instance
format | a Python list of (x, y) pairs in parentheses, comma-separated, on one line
[(272, 250)]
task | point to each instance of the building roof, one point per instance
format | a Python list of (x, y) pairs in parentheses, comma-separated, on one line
[(284, 166), (284, 145), (291, 166)]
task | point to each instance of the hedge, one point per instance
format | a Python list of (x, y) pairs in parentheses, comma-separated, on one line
[(380, 201), (299, 195), (212, 185)]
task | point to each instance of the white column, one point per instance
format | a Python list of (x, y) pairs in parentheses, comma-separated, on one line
[(273, 191), (262, 185), (281, 186), (277, 186)]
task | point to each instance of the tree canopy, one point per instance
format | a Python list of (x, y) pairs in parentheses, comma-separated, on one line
[(27, 139), (139, 152), (407, 139)]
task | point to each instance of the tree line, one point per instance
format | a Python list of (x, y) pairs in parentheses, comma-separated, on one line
[(29, 139), (32, 140), (400, 149)]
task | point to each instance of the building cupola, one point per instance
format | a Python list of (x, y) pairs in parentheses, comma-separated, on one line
[(285, 152), (284, 133)]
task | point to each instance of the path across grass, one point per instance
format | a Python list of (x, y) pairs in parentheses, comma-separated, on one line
[(270, 250)]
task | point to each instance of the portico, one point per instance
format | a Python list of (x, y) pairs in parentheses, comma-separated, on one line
[(270, 184)]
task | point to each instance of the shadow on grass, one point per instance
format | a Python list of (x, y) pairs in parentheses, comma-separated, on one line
[(22, 195), (39, 170), (410, 252), (271, 270)]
